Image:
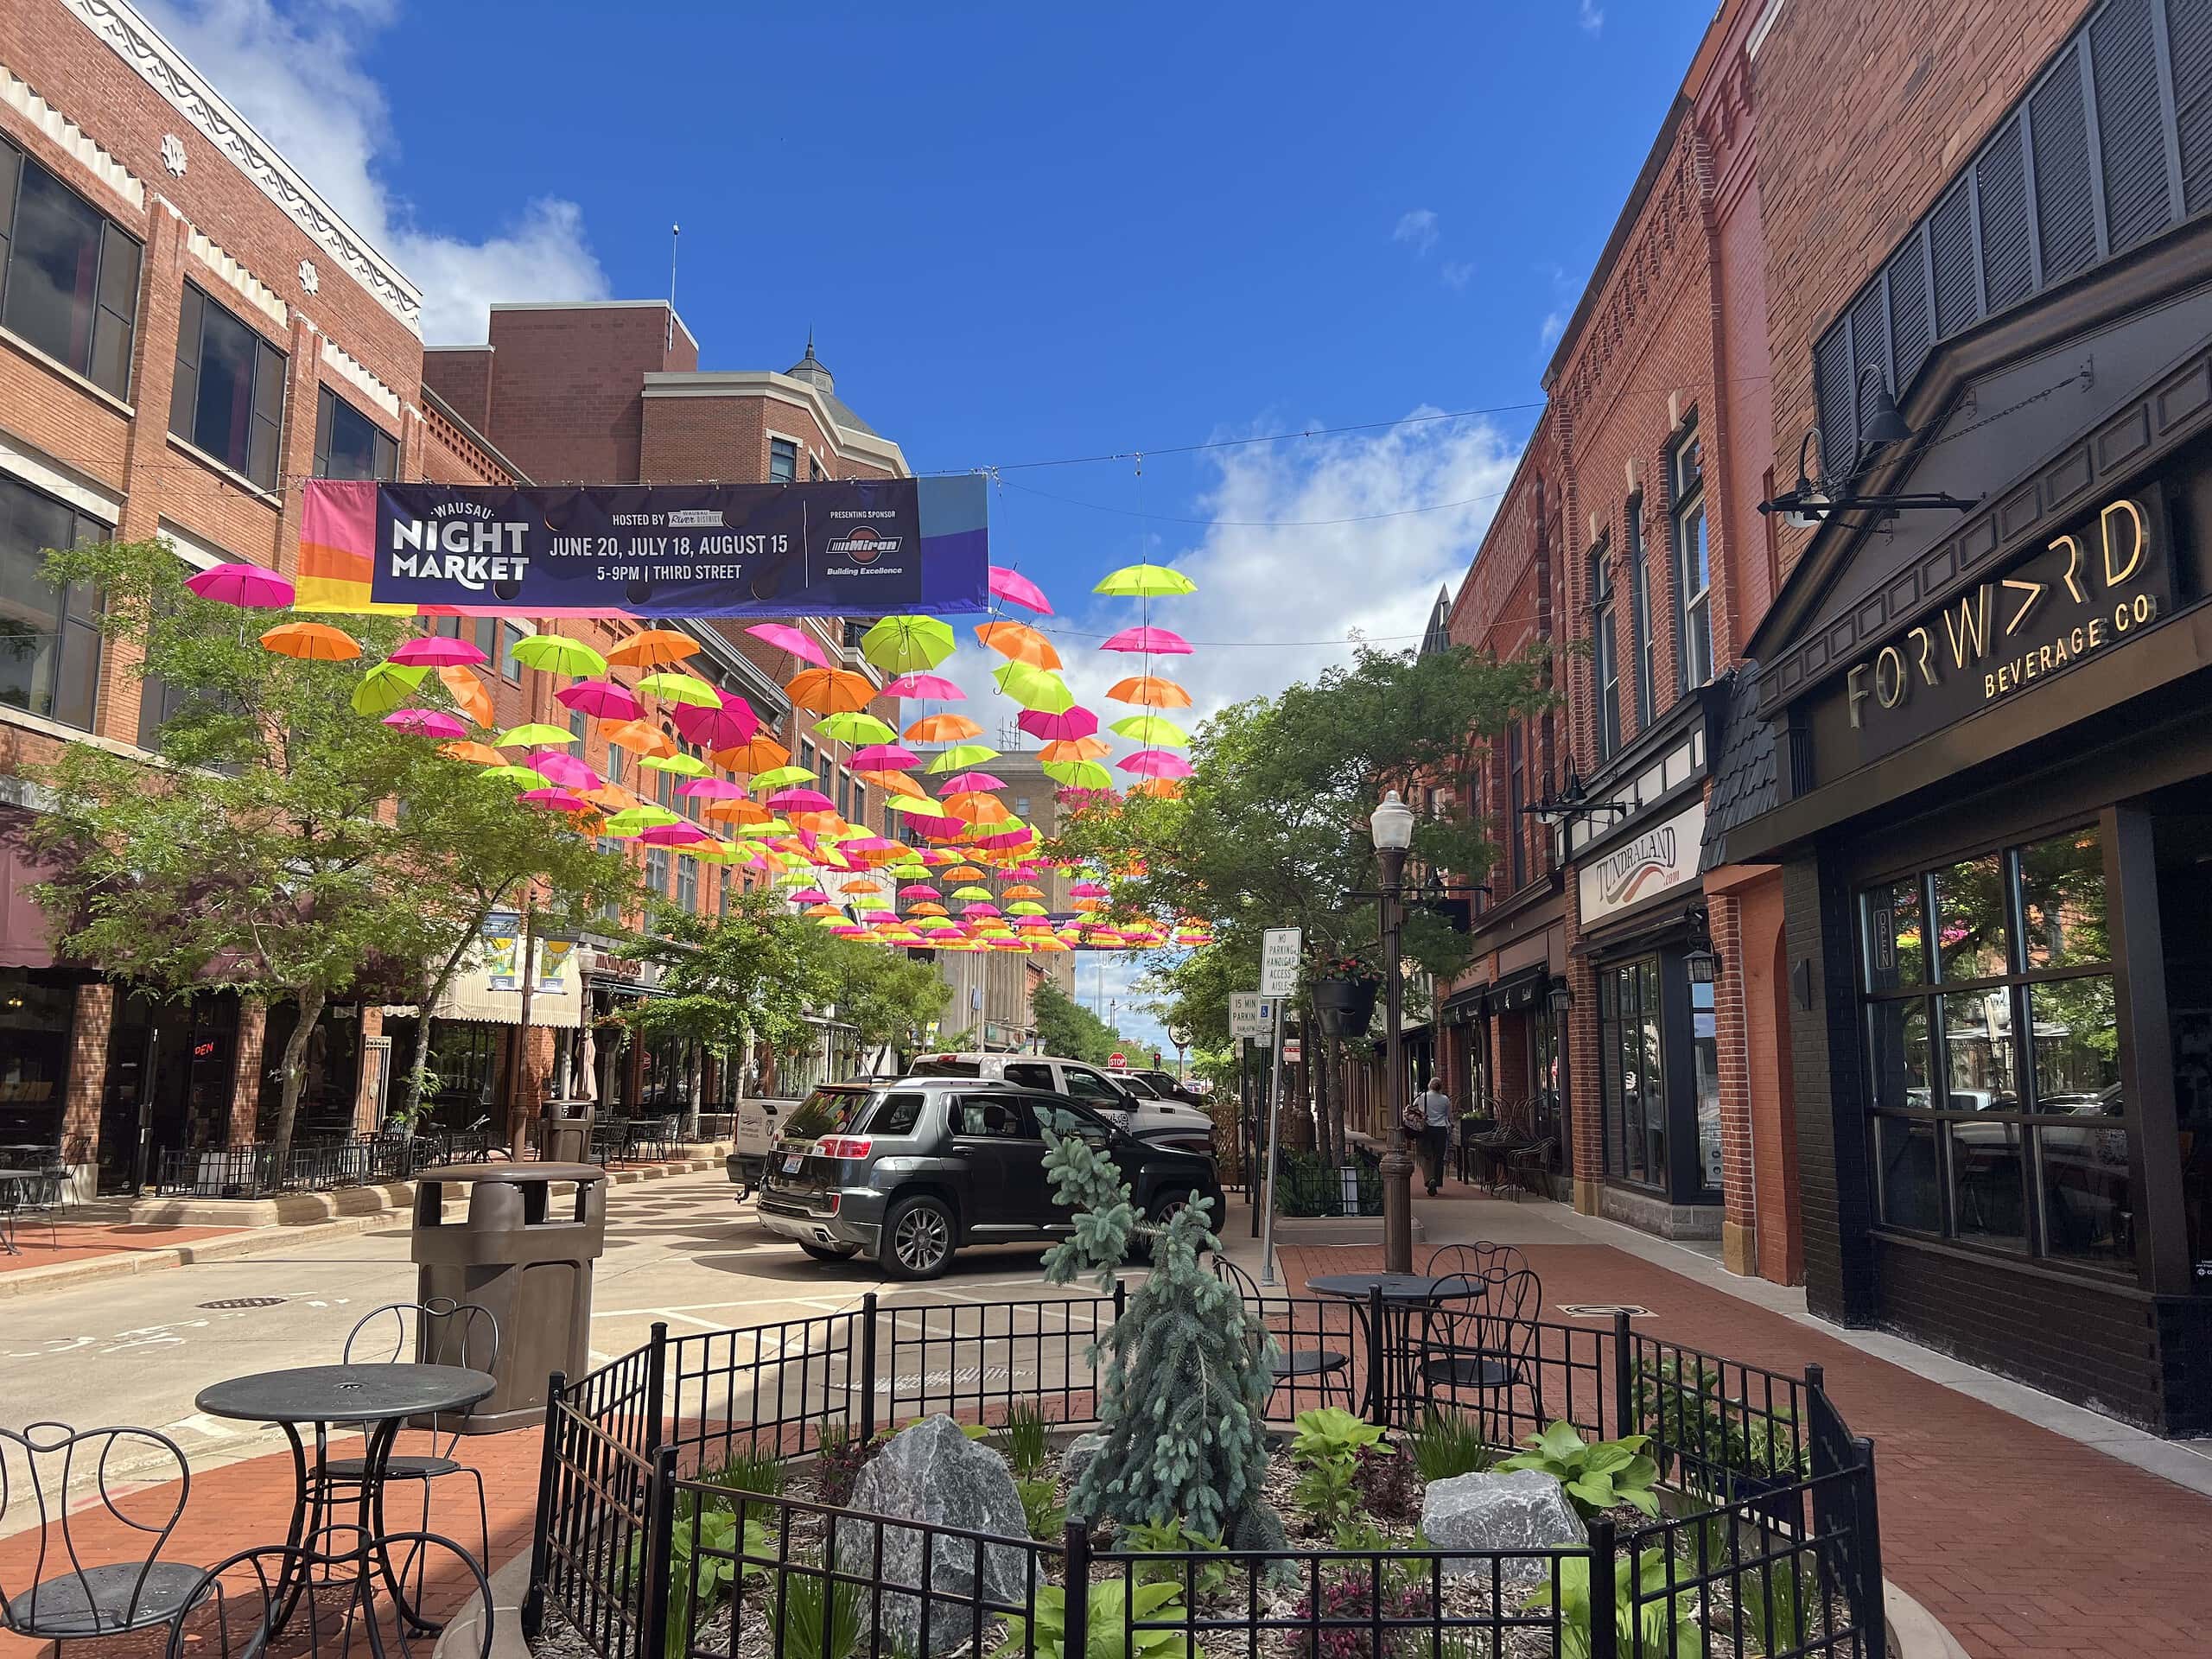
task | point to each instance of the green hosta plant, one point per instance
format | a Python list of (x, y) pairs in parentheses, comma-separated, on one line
[(1327, 1447), (1663, 1627), (1170, 1537), (1330, 1430), (1597, 1475), (1113, 1607), (704, 1547)]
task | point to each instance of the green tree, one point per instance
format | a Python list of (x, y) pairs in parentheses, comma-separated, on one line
[(887, 996), (281, 845), (1068, 1029)]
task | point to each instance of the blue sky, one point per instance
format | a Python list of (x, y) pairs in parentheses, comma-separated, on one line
[(1027, 232)]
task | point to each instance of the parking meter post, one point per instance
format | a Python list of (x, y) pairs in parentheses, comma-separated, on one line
[(1273, 1128)]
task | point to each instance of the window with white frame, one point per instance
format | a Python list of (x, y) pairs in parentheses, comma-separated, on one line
[(1693, 561)]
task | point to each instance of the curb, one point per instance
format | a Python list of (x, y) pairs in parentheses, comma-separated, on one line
[(462, 1637), (259, 1241), (1915, 1633)]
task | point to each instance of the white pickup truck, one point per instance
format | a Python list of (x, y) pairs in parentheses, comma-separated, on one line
[(1163, 1122)]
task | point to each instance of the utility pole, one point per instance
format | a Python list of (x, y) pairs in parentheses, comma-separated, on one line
[(1392, 823)]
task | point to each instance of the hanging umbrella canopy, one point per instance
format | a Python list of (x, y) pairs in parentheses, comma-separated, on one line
[(729, 810), (732, 723), (712, 789), (1018, 642), (1026, 907), (1145, 581), (892, 783), (978, 808), (468, 694), (680, 687), (477, 754), (1036, 689), (674, 835), (246, 586), (979, 908), (905, 645), (1075, 748), (385, 686), (1150, 691), (438, 650), (963, 873), (971, 893), (312, 642), (556, 653), (641, 737), (554, 800), (1024, 890), (631, 819), (521, 777), (970, 780), (1087, 890), (684, 766), (885, 756), (1016, 589), (961, 756), (654, 648), (830, 690), (784, 637), (928, 687), (852, 727), (941, 728), (1014, 835), (533, 734), (804, 800), (1152, 642), (425, 723), (937, 829), (777, 777), (925, 909), (612, 797), (1166, 786), (1054, 726), (917, 801), (761, 754), (563, 769), (600, 699), (919, 890), (1152, 731)]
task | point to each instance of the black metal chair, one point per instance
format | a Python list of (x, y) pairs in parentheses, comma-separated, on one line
[(1475, 1260), (42, 1197), (440, 1332), (1323, 1370), (389, 1594), (1488, 1351), (45, 1469)]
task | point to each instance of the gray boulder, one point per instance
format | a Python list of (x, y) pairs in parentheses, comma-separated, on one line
[(1526, 1509), (934, 1475), (1078, 1454)]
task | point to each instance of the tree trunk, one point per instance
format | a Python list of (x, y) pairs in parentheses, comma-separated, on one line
[(287, 1101), (1335, 1121), (411, 1108)]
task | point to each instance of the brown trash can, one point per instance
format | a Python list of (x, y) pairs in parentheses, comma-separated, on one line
[(565, 1132), (524, 1253)]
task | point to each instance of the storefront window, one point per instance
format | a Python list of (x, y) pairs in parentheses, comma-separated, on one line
[(1633, 1083), (1704, 1058), (1998, 1118)]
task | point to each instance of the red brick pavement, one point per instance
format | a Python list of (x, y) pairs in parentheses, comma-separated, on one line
[(2023, 1542), (76, 1241)]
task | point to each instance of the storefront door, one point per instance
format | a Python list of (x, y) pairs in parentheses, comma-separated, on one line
[(170, 1073)]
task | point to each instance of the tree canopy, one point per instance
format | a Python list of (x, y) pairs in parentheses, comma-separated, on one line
[(1068, 1029)]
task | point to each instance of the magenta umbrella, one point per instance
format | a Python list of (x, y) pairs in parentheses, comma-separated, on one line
[(712, 789), (878, 915), (675, 835), (1153, 642), (785, 638), (885, 757), (425, 723), (932, 688), (937, 829), (563, 769), (804, 800), (1012, 584), (725, 727), (554, 800), (808, 896), (850, 930), (919, 890), (979, 908), (867, 845), (963, 782), (601, 700), (248, 585), (1055, 729), (1087, 890), (1020, 837), (436, 651), (1155, 763)]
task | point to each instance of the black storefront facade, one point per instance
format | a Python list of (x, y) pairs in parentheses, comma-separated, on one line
[(1992, 806)]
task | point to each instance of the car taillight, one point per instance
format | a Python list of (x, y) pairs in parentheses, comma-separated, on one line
[(842, 1146)]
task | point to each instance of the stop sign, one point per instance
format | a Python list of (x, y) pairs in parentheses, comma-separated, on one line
[(1117, 1061)]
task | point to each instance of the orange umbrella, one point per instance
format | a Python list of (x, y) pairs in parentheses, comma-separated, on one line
[(942, 729), (823, 910), (894, 783), (312, 642), (1018, 642), (613, 796), (1166, 788), (468, 693), (763, 753), (738, 812), (1150, 690), (477, 754), (831, 691), (641, 737), (978, 807), (1075, 748), (963, 873), (925, 909), (863, 887), (654, 648), (1025, 890)]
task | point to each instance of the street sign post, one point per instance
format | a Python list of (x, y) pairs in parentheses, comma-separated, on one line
[(1117, 1061), (1277, 979), (1250, 1015), (1279, 961), (1292, 1050)]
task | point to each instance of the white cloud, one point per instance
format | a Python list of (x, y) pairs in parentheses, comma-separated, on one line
[(294, 72), (1554, 325), (1456, 274), (1589, 15), (1417, 229)]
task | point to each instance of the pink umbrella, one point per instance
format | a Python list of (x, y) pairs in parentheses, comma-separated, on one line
[(564, 769), (712, 789), (425, 723), (1055, 729), (1157, 642), (872, 916), (805, 800), (1012, 584), (979, 908), (963, 782), (248, 585), (600, 699), (725, 727), (937, 829), (933, 688), (554, 800), (867, 845), (1155, 763), (885, 757), (435, 651), (675, 835), (1020, 837), (785, 638), (1087, 890), (919, 890), (808, 896), (850, 930)]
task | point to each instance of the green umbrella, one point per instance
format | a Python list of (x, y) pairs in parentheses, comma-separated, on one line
[(1034, 688), (855, 728), (907, 645), (777, 776), (914, 804), (681, 688), (558, 654), (1079, 774), (762, 831), (1152, 732), (386, 686), (634, 820), (979, 895), (1145, 581), (520, 777), (1027, 907), (684, 766), (536, 734), (961, 756)]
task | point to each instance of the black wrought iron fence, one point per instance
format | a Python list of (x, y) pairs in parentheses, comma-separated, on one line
[(253, 1170), (1769, 1546)]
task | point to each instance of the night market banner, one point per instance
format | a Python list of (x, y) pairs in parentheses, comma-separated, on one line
[(851, 548)]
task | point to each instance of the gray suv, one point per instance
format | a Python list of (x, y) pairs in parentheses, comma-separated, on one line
[(909, 1172)]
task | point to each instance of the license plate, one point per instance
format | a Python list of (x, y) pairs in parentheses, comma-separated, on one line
[(792, 1162)]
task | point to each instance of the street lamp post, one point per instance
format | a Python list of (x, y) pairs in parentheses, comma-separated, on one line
[(1392, 824)]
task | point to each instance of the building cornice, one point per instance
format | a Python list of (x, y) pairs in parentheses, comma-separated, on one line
[(142, 47), (766, 383)]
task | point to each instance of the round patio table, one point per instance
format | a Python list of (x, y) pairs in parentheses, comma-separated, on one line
[(376, 1399), (1402, 1296)]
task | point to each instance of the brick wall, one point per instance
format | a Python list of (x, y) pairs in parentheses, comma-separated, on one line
[(462, 375), (566, 401)]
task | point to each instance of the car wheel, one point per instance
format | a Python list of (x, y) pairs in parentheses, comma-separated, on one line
[(829, 1252), (918, 1239)]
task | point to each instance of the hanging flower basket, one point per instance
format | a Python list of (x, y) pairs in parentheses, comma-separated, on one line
[(1345, 1006)]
